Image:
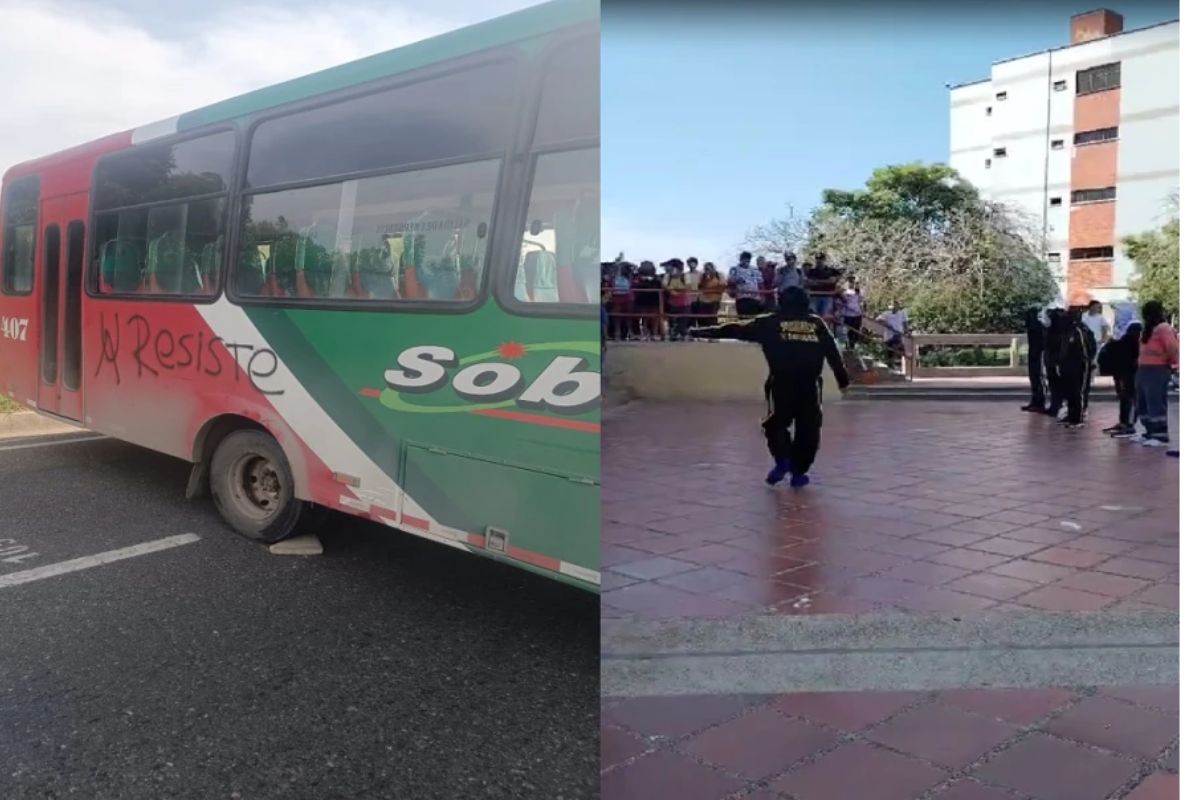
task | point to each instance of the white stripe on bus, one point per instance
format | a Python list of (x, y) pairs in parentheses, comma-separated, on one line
[(153, 130), (53, 443)]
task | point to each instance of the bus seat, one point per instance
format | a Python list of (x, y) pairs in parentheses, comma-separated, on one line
[(467, 281), (302, 287), (413, 290)]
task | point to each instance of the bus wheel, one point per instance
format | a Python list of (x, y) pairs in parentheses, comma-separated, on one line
[(253, 489)]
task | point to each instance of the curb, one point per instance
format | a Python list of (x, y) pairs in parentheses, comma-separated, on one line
[(30, 423)]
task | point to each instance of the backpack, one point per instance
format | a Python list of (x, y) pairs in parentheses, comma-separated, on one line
[(1106, 360)]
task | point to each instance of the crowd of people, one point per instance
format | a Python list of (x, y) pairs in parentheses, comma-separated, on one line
[(647, 302), (1068, 349)]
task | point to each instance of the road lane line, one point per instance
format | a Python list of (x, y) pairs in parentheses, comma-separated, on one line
[(52, 444), (87, 562)]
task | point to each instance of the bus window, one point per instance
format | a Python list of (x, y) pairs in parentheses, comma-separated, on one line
[(570, 106), (160, 219), (560, 245), (468, 113), (20, 233), (416, 235)]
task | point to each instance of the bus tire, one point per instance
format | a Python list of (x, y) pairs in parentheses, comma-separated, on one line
[(253, 488)]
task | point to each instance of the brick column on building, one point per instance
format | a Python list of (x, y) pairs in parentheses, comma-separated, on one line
[(1093, 166)]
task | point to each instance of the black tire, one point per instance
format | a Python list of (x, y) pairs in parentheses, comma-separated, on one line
[(253, 488)]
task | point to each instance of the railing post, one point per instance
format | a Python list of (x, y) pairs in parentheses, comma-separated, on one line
[(1014, 358)]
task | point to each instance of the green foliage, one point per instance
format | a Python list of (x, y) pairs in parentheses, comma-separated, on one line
[(975, 356), (1156, 254), (920, 234), (8, 406), (923, 192)]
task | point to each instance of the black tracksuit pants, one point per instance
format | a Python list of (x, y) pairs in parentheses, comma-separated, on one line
[(794, 402), (1127, 397), (1074, 390), (1055, 382), (1037, 380)]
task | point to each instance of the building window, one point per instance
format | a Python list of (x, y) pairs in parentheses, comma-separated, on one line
[(1060, 86), (987, 163), (989, 111), (1054, 258), (1056, 144), (1090, 253), (1094, 195), (1056, 201), (1098, 79), (1000, 152), (1098, 135), (1001, 95)]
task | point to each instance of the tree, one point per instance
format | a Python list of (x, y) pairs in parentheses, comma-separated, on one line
[(921, 235), (1156, 255)]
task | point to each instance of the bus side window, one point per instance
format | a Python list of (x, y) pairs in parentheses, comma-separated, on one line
[(560, 244)]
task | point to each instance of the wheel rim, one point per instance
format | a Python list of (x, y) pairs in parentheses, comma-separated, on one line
[(256, 486)]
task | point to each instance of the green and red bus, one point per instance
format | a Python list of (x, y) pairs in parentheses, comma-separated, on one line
[(373, 289)]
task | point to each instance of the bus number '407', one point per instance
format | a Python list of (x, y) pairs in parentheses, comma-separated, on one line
[(14, 328)]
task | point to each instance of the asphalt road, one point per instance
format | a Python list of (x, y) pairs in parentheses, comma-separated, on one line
[(390, 667)]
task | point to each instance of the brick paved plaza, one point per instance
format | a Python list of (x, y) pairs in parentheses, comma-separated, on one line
[(917, 509)]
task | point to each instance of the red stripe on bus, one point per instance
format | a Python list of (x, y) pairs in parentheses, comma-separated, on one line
[(370, 393), (534, 419), (416, 522), (537, 559), (384, 513)]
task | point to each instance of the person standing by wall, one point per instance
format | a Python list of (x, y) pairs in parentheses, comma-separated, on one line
[(1098, 326), (853, 313), (1035, 335), (1078, 355), (1119, 358), (1158, 358), (745, 283), (1052, 358), (712, 289)]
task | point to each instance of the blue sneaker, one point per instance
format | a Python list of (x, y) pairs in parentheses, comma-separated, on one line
[(779, 472), (799, 481)]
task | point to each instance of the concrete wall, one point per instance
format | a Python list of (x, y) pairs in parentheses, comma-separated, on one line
[(705, 371)]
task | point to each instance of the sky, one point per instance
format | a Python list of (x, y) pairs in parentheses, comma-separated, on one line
[(715, 118), (76, 70)]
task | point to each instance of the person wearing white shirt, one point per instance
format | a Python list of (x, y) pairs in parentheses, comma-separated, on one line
[(896, 320), (1096, 323)]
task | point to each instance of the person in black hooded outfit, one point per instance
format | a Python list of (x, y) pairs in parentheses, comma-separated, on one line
[(1035, 334), (1078, 353), (1052, 359), (797, 344)]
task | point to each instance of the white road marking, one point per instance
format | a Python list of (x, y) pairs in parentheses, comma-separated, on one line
[(87, 562), (52, 444)]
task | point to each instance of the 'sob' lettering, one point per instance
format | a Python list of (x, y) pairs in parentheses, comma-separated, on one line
[(566, 386)]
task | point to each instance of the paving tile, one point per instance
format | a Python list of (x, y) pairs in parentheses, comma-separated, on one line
[(846, 711), (1101, 544), (1136, 568), (1018, 706), (968, 789), (1157, 786), (1056, 770), (711, 554), (996, 587), (676, 717), (1041, 536), (1163, 698), (1164, 595), (951, 537), (665, 774), (760, 743), (647, 569), (858, 771), (1100, 583), (1056, 598), (1067, 557), (616, 746), (1117, 726), (1004, 546), (946, 736), (1031, 571), (1166, 555), (924, 573), (971, 560), (705, 580)]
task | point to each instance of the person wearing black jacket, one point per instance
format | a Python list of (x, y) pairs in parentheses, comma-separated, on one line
[(1052, 358), (1118, 358), (797, 344), (1078, 354), (1035, 334)]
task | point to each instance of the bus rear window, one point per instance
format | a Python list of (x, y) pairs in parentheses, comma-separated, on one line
[(20, 235), (560, 243), (419, 236)]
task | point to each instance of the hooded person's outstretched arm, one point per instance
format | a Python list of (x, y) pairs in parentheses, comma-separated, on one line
[(746, 330)]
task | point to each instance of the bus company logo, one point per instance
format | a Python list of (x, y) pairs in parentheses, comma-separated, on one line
[(493, 384)]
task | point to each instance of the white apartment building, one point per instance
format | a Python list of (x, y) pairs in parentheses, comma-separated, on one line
[(1085, 138)]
